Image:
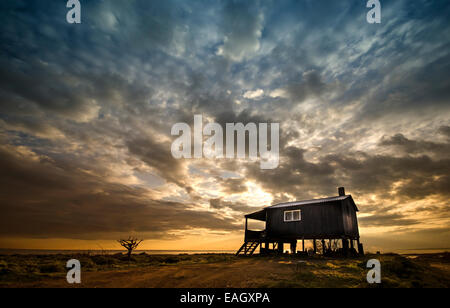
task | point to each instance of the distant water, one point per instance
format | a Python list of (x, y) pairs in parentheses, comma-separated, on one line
[(108, 252)]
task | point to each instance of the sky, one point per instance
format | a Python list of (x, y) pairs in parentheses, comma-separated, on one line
[(86, 112)]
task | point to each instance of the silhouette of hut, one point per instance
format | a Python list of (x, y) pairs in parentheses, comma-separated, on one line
[(326, 219)]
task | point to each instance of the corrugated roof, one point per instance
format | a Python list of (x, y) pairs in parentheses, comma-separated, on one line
[(314, 201), (260, 215)]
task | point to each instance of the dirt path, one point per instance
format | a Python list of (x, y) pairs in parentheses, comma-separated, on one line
[(240, 273), (230, 272)]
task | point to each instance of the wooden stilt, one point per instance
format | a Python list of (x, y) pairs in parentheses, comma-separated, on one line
[(293, 247), (345, 246), (280, 247), (360, 248)]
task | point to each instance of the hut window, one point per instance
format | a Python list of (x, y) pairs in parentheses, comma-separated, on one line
[(292, 216)]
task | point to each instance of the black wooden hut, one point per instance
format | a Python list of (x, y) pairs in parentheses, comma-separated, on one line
[(326, 219)]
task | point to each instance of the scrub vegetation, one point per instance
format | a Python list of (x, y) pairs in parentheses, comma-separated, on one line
[(225, 270)]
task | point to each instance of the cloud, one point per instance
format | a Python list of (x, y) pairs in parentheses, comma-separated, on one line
[(311, 85), (158, 156), (233, 186), (400, 142), (86, 112), (254, 94), (220, 204), (242, 28), (63, 201), (61, 94), (386, 220), (388, 177), (445, 130)]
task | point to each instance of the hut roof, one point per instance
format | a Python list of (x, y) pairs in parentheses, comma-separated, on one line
[(261, 215), (313, 201)]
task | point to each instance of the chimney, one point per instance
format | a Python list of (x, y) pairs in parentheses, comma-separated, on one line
[(341, 191)]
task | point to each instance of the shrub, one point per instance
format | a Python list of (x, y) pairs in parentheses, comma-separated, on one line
[(170, 260), (50, 268), (101, 260), (87, 263), (402, 268), (4, 267)]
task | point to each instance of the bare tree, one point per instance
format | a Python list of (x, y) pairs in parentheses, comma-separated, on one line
[(130, 244)]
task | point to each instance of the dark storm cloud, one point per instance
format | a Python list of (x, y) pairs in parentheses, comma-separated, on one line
[(421, 176), (60, 95), (420, 89), (220, 204), (242, 27), (389, 177), (43, 198), (296, 176), (311, 85), (233, 186), (386, 220), (445, 130), (402, 77), (406, 145), (157, 155), (90, 100)]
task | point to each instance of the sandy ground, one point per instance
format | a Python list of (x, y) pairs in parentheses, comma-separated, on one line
[(254, 272), (241, 273)]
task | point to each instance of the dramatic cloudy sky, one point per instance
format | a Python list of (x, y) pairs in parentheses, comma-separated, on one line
[(86, 112)]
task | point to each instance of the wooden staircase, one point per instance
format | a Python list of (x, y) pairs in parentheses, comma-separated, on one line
[(248, 248)]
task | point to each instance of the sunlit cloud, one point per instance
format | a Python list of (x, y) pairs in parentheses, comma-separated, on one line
[(86, 113)]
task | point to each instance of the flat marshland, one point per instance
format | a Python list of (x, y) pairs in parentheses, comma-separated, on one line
[(224, 271)]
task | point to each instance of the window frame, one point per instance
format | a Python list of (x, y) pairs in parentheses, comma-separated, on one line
[(293, 220)]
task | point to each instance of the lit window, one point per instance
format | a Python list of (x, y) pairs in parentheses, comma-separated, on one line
[(292, 216)]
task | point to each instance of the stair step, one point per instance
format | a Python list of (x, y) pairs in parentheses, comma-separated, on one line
[(248, 248)]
